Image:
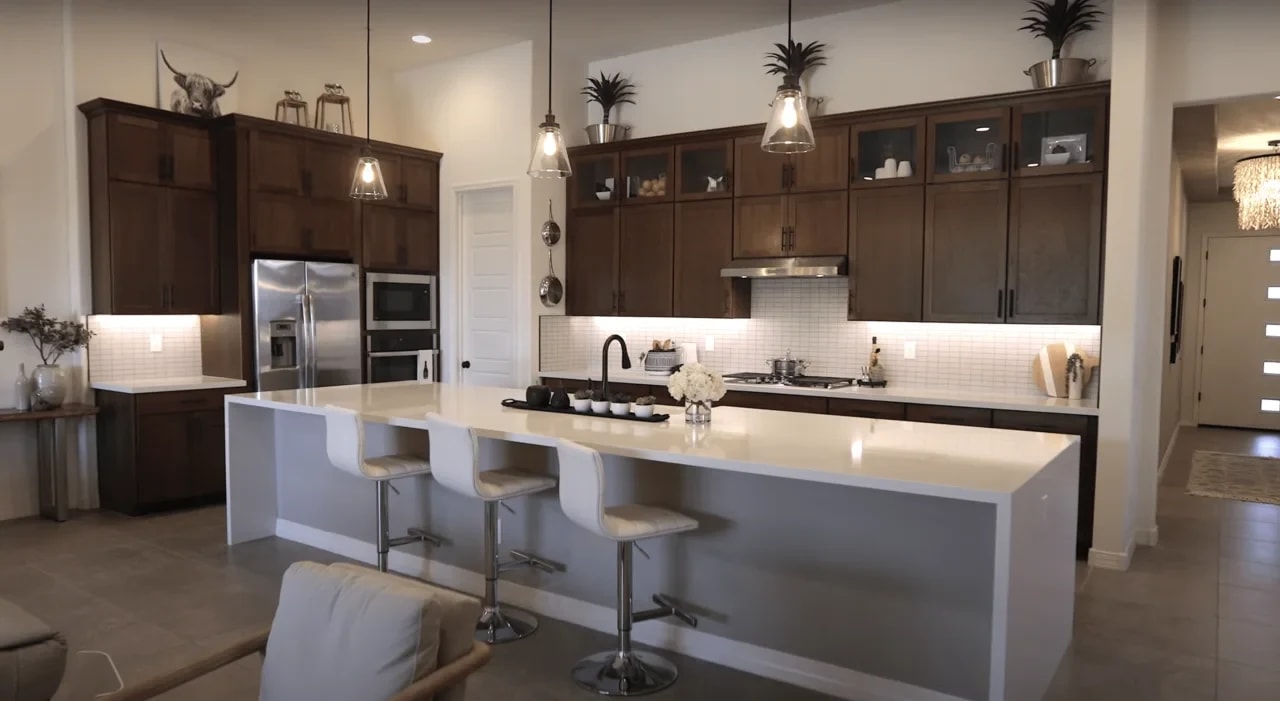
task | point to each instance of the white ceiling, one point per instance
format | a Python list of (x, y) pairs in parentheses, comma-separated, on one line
[(1209, 139), (586, 29)]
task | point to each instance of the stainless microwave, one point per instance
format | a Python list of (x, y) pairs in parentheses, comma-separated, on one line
[(399, 302)]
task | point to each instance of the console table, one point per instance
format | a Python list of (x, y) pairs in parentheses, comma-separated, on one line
[(51, 429)]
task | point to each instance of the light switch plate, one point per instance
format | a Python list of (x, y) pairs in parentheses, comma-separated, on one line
[(909, 350), (709, 344), (157, 342)]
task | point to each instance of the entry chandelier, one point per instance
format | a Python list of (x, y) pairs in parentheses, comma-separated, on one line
[(368, 183), (1257, 189), (550, 157)]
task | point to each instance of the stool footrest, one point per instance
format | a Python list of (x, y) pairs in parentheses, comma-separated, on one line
[(416, 535), (666, 607), (522, 559)]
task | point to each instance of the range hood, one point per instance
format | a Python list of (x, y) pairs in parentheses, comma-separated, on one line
[(815, 266)]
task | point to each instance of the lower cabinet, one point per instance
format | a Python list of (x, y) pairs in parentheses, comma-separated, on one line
[(775, 402), (955, 415), (868, 409), (160, 450)]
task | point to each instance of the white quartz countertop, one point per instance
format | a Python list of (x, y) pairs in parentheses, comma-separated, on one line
[(169, 384), (960, 462), (910, 395)]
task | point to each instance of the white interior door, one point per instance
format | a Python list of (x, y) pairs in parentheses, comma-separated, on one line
[(1240, 366), (487, 219)]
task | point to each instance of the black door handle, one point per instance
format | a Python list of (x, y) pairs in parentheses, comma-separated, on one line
[(1000, 303), (466, 364), (1012, 304)]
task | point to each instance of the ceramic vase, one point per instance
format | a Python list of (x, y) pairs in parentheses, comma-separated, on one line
[(49, 387), (697, 412)]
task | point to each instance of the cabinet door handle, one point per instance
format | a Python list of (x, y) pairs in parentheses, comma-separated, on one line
[(1000, 304), (853, 170), (728, 180), (727, 299), (306, 182), (1017, 165), (1004, 158), (784, 176), (1013, 304), (160, 168)]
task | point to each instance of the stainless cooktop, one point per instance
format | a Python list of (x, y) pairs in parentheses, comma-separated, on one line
[(764, 378)]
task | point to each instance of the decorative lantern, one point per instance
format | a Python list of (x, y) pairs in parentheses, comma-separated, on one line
[(293, 109), (334, 100)]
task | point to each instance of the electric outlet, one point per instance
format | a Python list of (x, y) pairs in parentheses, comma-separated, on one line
[(909, 350), (157, 342), (709, 344)]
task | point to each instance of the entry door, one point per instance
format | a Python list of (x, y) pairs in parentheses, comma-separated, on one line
[(1240, 369), (488, 284)]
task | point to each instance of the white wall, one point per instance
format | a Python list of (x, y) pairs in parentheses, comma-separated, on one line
[(1171, 385), (1219, 49), (895, 54)]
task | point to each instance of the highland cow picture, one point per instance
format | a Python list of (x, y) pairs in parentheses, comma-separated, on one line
[(194, 81)]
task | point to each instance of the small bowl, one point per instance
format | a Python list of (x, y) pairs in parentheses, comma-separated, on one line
[(582, 405), (643, 411), (1057, 159), (599, 407), (604, 196), (620, 408)]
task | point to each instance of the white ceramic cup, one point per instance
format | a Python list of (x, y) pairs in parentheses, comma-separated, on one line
[(904, 169), (599, 407), (582, 405), (620, 408), (643, 411)]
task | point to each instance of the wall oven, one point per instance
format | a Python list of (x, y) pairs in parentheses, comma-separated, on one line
[(399, 356), (399, 302)]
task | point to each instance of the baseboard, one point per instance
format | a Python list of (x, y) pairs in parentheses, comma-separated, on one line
[(1168, 451), (1108, 560), (799, 671), (1149, 537)]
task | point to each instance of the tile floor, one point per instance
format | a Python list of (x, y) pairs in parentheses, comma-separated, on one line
[(1196, 618)]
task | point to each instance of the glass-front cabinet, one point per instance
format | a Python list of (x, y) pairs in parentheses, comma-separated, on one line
[(1060, 136), (969, 145), (703, 170), (594, 181), (647, 176), (887, 153)]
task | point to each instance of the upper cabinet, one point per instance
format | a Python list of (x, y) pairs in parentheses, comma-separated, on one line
[(594, 182), (704, 170), (887, 153), (822, 169), (1055, 137), (153, 213), (1055, 250), (284, 163), (645, 176), (969, 145)]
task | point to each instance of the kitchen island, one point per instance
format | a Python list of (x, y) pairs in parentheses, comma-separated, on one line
[(863, 558)]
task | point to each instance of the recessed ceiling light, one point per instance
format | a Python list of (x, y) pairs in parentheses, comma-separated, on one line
[(983, 129), (421, 39)]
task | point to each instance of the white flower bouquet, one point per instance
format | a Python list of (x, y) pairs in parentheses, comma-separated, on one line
[(695, 383)]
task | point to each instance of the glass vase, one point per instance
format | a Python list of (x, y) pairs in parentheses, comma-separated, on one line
[(49, 387), (697, 412)]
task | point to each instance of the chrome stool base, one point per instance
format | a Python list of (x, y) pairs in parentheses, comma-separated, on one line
[(498, 625), (631, 673)]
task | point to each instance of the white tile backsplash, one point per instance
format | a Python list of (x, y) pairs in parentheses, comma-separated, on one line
[(809, 317), (121, 350)]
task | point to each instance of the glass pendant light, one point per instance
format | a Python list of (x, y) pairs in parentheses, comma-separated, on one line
[(788, 130), (550, 157), (367, 184)]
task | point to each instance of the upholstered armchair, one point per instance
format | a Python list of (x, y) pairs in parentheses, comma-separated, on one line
[(349, 632)]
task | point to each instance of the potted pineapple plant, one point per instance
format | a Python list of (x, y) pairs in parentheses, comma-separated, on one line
[(608, 92), (1058, 21)]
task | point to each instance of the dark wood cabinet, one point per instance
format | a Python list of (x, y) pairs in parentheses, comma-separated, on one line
[(774, 402), (277, 162), (759, 226), (703, 246), (595, 181), (290, 225), (157, 152), (968, 145), (757, 172), (965, 247), (886, 253), (400, 240), (704, 170), (1077, 124), (826, 167), (1055, 249), (191, 252), (819, 224), (163, 450), (330, 169), (591, 262), (645, 260), (420, 183), (872, 143), (955, 415), (648, 175), (868, 409)]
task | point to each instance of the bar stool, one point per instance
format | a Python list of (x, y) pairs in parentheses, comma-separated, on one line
[(454, 455), (620, 672), (344, 443)]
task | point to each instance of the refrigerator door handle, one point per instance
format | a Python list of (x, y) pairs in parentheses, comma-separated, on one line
[(311, 341), (304, 342)]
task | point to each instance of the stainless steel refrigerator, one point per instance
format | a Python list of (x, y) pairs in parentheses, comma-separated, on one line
[(307, 317)]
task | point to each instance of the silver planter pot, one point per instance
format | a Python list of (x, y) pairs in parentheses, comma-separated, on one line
[(605, 133), (49, 387), (1060, 71)]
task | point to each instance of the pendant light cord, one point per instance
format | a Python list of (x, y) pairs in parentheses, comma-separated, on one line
[(788, 25), (368, 72), (550, 45)]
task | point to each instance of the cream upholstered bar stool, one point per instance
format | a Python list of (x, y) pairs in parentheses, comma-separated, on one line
[(344, 443), (455, 458), (624, 671)]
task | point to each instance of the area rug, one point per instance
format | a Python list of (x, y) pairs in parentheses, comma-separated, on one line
[(1231, 476)]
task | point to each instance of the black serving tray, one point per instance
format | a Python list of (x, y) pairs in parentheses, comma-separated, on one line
[(517, 404)]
